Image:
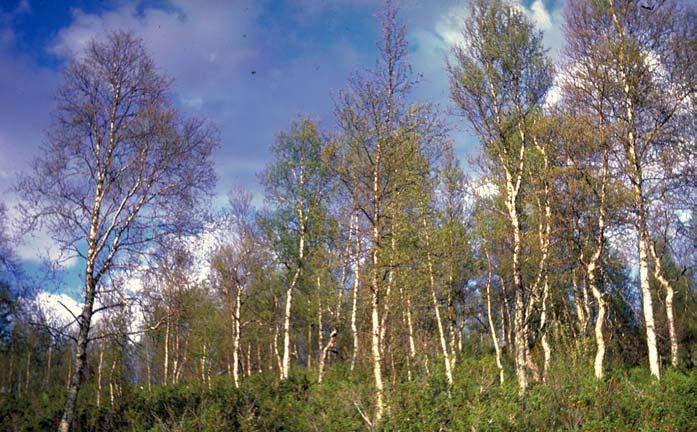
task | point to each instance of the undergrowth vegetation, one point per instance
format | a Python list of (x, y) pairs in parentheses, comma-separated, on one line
[(571, 400)]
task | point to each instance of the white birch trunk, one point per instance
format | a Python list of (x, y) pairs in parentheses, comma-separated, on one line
[(492, 327), (375, 294), (165, 360), (436, 307), (658, 274), (285, 366), (354, 295), (99, 376), (636, 178), (236, 338)]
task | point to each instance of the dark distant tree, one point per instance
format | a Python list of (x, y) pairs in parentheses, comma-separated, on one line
[(121, 168)]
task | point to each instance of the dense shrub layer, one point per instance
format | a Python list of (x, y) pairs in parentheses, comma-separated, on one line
[(628, 400)]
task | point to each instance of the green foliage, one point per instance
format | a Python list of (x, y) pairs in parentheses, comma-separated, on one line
[(571, 400)]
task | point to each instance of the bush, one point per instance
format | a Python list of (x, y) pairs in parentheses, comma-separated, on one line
[(628, 400)]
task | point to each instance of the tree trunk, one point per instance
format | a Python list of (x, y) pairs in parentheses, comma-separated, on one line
[(175, 355), (388, 291), (599, 322), (309, 345), (375, 344), (111, 382), (354, 296), (70, 370), (450, 316), (165, 360), (148, 366), (236, 338), (320, 324), (91, 279), (80, 353), (578, 300), (634, 167), (277, 354), (47, 378), (323, 354), (520, 339), (492, 327), (658, 274), (436, 307), (285, 366), (646, 298), (258, 357), (27, 370), (203, 364), (375, 294), (590, 271), (248, 371), (544, 329), (184, 357), (324, 351), (99, 376)]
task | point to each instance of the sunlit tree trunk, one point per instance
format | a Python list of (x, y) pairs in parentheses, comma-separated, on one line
[(592, 265), (184, 358), (285, 366), (111, 382), (492, 327), (324, 350), (148, 366), (354, 295), (658, 274), (202, 362), (375, 290), (320, 324), (544, 329), (578, 302), (520, 338), (81, 349), (544, 237), (387, 297), (175, 354), (636, 178), (452, 343), (99, 376), (236, 337), (165, 359), (49, 361), (248, 371), (436, 307)]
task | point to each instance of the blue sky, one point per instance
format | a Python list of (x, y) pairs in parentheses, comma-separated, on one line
[(301, 52)]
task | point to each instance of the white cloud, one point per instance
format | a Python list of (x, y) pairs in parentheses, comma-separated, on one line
[(539, 14), (58, 309), (449, 26), (201, 45)]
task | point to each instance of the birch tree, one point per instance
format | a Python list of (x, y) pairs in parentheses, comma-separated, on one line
[(499, 79), (120, 169), (231, 265), (375, 120), (295, 183), (649, 51)]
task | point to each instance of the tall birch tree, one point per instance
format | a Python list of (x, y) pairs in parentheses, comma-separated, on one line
[(120, 169), (499, 80), (295, 183)]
